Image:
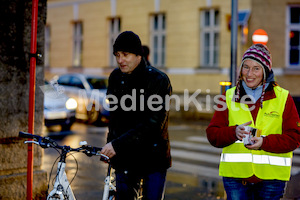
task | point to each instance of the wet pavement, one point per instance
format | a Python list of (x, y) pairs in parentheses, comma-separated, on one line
[(193, 175)]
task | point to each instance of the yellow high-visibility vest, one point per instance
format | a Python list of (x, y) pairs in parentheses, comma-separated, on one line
[(239, 162)]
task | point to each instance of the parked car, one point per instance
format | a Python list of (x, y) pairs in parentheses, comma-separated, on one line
[(59, 109), (89, 91)]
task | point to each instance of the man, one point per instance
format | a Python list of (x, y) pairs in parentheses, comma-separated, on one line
[(146, 52), (138, 140)]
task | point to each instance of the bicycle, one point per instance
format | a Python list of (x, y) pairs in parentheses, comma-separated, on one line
[(62, 189)]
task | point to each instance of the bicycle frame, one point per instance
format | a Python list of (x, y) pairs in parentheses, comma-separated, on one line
[(62, 187)]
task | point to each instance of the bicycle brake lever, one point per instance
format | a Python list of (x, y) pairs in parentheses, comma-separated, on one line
[(104, 158), (35, 142), (82, 143)]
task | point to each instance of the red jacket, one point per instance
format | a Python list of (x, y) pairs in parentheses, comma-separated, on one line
[(221, 135)]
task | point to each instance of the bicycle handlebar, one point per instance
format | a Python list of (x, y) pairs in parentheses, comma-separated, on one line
[(46, 142), (28, 135)]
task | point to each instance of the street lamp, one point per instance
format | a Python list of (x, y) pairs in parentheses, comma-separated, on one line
[(225, 85)]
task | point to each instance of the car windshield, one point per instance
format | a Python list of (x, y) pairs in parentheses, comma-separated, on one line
[(97, 83)]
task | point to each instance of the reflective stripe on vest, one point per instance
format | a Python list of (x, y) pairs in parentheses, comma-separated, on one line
[(257, 159), (240, 162)]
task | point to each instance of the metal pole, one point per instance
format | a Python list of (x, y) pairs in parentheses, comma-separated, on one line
[(31, 110), (234, 28)]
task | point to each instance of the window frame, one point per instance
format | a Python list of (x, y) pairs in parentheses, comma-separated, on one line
[(291, 27), (212, 30), (77, 44), (158, 39), (114, 31)]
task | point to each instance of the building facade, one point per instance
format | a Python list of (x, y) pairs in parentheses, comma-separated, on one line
[(190, 40)]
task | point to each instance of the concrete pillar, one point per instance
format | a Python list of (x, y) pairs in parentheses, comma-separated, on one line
[(15, 30)]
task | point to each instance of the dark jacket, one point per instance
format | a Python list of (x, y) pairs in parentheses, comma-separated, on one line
[(139, 134)]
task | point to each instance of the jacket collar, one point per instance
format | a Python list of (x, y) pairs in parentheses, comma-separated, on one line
[(270, 94), (136, 72)]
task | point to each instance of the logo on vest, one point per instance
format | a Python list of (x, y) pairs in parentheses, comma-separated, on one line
[(272, 114)]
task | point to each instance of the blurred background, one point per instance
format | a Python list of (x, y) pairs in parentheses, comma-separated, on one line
[(190, 40)]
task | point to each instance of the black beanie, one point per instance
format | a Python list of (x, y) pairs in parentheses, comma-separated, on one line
[(128, 41)]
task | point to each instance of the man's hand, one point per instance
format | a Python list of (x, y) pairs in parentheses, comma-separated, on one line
[(108, 150), (240, 130), (257, 143)]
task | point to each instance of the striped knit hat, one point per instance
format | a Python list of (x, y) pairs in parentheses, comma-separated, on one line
[(261, 54)]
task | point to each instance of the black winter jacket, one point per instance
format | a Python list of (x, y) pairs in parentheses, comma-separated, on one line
[(138, 133)]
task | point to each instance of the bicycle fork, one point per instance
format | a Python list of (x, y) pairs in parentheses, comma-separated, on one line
[(108, 186)]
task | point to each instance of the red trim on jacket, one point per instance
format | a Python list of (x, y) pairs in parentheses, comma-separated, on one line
[(221, 135)]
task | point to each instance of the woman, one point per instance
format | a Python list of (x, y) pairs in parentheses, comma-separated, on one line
[(259, 170)]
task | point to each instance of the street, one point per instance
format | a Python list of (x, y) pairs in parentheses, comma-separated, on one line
[(193, 175)]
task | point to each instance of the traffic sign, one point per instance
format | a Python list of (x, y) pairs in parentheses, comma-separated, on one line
[(260, 36)]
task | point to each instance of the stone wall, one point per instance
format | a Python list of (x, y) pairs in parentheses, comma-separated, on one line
[(15, 37)]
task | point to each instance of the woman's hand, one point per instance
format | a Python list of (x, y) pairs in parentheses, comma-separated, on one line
[(240, 130), (257, 143)]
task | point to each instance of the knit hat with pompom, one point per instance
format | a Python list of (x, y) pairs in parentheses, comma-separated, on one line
[(261, 54)]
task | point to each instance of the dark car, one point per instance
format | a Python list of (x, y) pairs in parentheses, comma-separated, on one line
[(59, 109), (89, 91)]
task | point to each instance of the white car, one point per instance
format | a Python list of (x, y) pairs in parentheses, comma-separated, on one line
[(59, 109), (89, 91)]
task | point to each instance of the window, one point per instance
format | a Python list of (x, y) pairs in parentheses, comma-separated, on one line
[(158, 40), (114, 31), (47, 46), (64, 80), (293, 36), (76, 82), (77, 44), (210, 38), (97, 83)]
